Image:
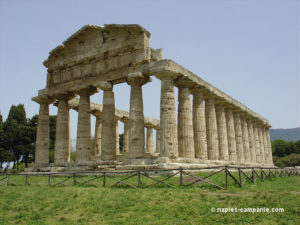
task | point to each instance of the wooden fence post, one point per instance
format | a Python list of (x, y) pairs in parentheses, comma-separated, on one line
[(181, 177), (240, 176), (74, 179), (7, 179), (226, 176), (139, 179), (104, 179)]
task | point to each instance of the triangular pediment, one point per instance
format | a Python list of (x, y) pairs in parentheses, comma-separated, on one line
[(92, 40)]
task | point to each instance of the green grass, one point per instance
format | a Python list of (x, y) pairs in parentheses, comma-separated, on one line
[(156, 205)]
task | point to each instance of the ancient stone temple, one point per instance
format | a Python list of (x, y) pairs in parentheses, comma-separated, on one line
[(215, 130)]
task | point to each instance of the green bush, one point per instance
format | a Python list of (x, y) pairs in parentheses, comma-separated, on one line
[(289, 160)]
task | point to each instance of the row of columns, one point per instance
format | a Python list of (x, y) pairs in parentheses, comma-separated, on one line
[(125, 147), (212, 130), (106, 129)]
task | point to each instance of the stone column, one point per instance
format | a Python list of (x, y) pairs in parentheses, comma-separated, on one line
[(222, 132), (211, 129), (270, 158), (200, 140), (150, 140), (83, 145), (231, 135), (98, 128), (42, 136), (108, 132), (157, 140), (251, 141), (257, 144), (185, 124), (266, 148), (126, 136), (117, 136), (245, 137), (136, 115), (62, 135), (238, 138), (261, 144), (168, 126)]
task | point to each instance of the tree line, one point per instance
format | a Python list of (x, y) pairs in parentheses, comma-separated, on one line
[(286, 153)]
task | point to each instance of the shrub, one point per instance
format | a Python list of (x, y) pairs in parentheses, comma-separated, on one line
[(289, 160)]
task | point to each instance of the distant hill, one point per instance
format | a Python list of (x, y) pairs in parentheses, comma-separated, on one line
[(292, 134)]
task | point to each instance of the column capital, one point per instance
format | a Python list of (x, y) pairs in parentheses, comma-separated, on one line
[(137, 78), (228, 106), (67, 98), (87, 91), (209, 95), (43, 99), (165, 73), (219, 101), (197, 91), (124, 119), (104, 85), (183, 82)]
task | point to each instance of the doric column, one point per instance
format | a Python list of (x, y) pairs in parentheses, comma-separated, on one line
[(150, 140), (126, 136), (117, 136), (199, 125), (257, 144), (136, 115), (108, 132), (266, 148), (211, 129), (62, 135), (261, 144), (98, 128), (168, 126), (238, 138), (185, 124), (157, 140), (231, 135), (83, 145), (245, 136), (251, 141), (42, 136), (270, 158), (222, 132)]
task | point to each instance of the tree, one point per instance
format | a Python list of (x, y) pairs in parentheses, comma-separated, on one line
[(14, 132), (279, 148), (4, 153)]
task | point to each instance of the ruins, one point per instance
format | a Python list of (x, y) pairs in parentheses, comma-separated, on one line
[(216, 130)]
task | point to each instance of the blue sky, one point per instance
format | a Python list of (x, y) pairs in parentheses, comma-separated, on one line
[(249, 49)]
